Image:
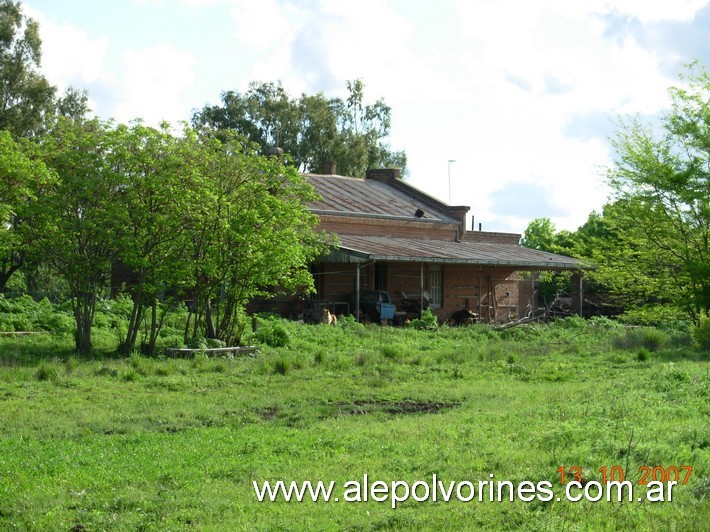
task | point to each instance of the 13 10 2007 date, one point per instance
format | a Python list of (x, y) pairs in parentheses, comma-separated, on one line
[(678, 474)]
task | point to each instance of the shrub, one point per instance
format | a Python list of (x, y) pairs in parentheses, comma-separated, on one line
[(646, 337), (47, 371), (602, 322), (643, 354), (653, 339), (281, 366), (651, 315), (196, 342), (215, 343), (275, 336), (571, 322), (427, 321)]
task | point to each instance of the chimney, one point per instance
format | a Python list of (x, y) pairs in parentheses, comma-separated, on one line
[(329, 168), (383, 174)]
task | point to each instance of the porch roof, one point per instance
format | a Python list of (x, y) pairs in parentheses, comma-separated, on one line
[(357, 248)]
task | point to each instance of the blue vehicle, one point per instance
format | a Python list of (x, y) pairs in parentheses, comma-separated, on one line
[(376, 304)]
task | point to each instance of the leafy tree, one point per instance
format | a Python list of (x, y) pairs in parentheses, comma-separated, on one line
[(541, 234), (156, 195), (26, 97), (73, 225), (73, 104), (21, 179), (252, 234), (311, 129), (661, 213)]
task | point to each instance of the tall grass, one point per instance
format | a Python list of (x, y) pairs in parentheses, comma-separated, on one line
[(109, 442)]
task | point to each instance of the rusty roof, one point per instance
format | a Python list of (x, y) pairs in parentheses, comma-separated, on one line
[(396, 249), (368, 197)]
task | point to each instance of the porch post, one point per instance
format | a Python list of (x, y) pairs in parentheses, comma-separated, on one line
[(421, 289), (480, 307)]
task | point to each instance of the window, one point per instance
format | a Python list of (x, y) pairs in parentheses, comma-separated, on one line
[(435, 286)]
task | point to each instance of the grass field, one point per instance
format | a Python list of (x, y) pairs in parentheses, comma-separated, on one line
[(156, 444)]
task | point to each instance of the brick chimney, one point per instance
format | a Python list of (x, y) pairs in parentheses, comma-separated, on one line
[(383, 174), (329, 168)]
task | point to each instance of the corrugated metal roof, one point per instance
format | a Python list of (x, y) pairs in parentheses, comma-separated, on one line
[(352, 196), (441, 251)]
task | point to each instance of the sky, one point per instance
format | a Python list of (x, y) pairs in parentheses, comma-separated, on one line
[(523, 96)]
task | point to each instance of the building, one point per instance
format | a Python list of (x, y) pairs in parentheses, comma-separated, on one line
[(396, 238)]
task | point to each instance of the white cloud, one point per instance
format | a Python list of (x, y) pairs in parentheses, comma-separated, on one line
[(265, 25), (69, 55), (153, 82), (655, 10)]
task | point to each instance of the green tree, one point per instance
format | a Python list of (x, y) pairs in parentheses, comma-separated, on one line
[(661, 212), (26, 97), (541, 234), (22, 177), (73, 104), (311, 129), (253, 234), (73, 226), (157, 193)]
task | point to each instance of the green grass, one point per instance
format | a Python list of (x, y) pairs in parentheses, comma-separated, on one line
[(154, 443)]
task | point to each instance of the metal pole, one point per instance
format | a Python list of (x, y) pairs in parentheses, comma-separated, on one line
[(421, 289)]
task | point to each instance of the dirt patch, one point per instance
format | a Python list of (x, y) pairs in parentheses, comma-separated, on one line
[(267, 413), (394, 408)]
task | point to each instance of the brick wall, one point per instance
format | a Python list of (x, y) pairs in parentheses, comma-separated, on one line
[(393, 228), (490, 237)]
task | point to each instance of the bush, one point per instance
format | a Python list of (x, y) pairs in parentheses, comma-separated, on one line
[(48, 372), (652, 315), (427, 321), (275, 336), (196, 342), (281, 366), (646, 337), (215, 343), (643, 354)]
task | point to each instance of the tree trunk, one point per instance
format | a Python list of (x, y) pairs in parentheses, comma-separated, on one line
[(155, 327), (137, 314), (84, 316), (209, 321)]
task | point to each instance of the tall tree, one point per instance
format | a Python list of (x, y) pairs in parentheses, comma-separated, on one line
[(74, 225), (26, 97), (311, 129), (252, 234), (661, 213), (156, 181)]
